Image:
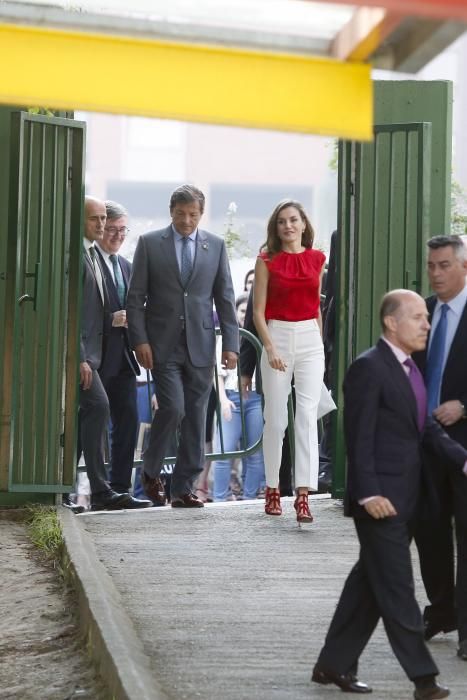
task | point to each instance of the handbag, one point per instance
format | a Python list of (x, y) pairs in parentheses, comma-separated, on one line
[(326, 402)]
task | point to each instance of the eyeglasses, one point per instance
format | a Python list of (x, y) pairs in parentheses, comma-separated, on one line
[(114, 231)]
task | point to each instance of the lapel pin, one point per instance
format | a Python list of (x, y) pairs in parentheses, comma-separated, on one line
[(205, 246)]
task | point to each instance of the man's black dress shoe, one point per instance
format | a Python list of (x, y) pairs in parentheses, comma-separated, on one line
[(462, 651), (189, 500), (434, 628), (431, 692), (111, 500), (346, 682)]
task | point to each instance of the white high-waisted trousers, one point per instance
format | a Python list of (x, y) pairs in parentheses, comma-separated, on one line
[(299, 344)]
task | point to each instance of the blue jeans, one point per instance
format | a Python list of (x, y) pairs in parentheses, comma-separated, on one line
[(253, 465)]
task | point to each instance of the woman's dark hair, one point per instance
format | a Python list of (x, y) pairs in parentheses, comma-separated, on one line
[(241, 299), (245, 281), (273, 243)]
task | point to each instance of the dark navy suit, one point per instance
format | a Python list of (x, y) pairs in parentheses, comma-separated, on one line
[(118, 374), (384, 450), (434, 536)]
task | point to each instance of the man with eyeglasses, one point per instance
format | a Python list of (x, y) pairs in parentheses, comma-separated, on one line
[(119, 368)]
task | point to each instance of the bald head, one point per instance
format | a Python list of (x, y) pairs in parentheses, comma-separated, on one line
[(404, 320), (94, 218)]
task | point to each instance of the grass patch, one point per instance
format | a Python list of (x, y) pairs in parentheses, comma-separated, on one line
[(45, 531)]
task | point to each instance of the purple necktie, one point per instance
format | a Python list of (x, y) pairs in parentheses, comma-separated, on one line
[(418, 387)]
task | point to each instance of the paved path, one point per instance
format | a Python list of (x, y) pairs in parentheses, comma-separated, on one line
[(232, 605)]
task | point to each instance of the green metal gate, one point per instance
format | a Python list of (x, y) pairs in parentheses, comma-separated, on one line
[(44, 246), (384, 207), (393, 195)]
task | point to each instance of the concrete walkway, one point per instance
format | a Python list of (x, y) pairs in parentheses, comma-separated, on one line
[(225, 603)]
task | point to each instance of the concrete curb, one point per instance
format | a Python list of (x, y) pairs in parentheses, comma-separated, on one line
[(110, 635)]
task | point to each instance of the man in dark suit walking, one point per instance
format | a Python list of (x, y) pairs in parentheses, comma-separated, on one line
[(119, 368), (444, 366), (96, 321), (178, 272), (386, 426)]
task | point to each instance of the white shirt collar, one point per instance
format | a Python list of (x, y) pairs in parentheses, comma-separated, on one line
[(87, 244), (456, 304), (192, 236), (104, 254), (400, 354)]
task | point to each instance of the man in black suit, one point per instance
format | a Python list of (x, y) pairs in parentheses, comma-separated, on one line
[(119, 368), (444, 366), (96, 322), (386, 425)]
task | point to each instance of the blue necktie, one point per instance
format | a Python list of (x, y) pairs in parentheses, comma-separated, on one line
[(418, 387), (119, 283), (434, 365), (185, 267)]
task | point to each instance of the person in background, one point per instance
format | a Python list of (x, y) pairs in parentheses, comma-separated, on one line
[(119, 368), (288, 320), (248, 367), (329, 330), (96, 323), (444, 366), (248, 281), (231, 402)]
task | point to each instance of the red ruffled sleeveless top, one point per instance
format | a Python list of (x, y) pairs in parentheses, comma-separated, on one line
[(293, 287)]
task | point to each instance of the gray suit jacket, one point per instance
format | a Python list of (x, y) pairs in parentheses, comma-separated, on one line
[(95, 317), (158, 305)]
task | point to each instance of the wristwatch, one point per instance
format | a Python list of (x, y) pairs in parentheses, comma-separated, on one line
[(464, 411)]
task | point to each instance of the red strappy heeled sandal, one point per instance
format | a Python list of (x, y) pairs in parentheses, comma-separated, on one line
[(272, 505), (303, 509)]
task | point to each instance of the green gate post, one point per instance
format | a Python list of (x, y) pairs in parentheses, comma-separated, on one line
[(393, 195)]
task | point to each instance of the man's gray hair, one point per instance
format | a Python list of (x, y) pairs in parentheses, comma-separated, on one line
[(114, 210), (455, 242), (186, 194)]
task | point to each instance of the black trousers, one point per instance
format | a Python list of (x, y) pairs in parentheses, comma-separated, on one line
[(434, 537), (380, 585), (121, 392), (93, 422)]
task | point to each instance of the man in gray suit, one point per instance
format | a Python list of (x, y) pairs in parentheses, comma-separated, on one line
[(178, 272), (96, 321)]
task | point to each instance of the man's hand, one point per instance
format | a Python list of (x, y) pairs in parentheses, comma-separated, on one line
[(449, 412), (85, 375), (380, 507), (144, 355), (229, 359), (119, 319), (227, 407)]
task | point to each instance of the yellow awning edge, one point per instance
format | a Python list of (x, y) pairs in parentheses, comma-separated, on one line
[(217, 85)]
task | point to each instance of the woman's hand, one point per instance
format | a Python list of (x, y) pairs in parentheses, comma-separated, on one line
[(275, 361), (226, 408)]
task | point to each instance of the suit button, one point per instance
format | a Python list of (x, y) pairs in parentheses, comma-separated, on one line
[(185, 294)]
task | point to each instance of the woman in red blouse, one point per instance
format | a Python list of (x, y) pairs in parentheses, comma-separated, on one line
[(288, 320)]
